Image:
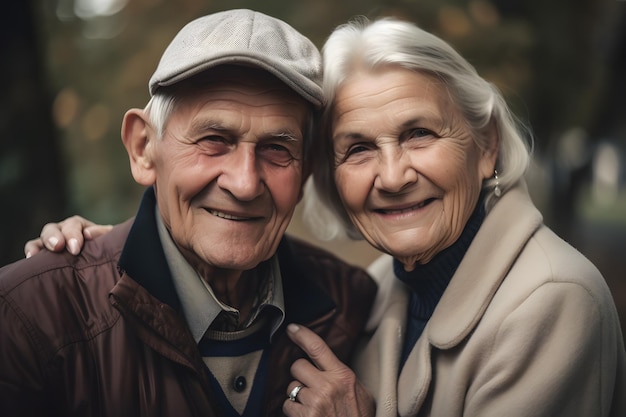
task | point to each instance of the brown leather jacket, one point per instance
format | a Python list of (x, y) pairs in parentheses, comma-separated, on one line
[(102, 333)]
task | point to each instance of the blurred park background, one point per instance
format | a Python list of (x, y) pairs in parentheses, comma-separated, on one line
[(70, 69)]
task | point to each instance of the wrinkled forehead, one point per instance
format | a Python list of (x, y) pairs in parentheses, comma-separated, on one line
[(372, 88)]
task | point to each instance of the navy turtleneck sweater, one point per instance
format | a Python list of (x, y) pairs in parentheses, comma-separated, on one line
[(428, 282)]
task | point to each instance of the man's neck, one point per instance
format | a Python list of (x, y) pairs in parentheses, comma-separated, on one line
[(232, 287), (237, 289)]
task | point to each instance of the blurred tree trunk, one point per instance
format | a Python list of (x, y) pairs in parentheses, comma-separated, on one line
[(573, 89), (31, 174)]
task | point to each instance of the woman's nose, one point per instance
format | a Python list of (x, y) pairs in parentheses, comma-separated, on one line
[(396, 170)]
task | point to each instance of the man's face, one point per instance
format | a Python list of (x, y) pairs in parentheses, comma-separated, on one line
[(229, 169)]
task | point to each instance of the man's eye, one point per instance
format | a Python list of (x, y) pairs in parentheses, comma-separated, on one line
[(214, 139), (274, 147), (213, 144), (276, 153)]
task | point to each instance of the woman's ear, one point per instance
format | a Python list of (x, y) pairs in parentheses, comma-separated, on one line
[(139, 141), (490, 151)]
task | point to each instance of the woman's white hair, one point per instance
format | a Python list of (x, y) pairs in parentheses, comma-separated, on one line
[(390, 42)]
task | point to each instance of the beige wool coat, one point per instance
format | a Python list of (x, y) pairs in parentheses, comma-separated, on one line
[(526, 327)]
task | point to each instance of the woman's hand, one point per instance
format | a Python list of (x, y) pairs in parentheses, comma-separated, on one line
[(69, 234), (329, 387)]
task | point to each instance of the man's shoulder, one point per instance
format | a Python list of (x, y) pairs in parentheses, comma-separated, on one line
[(95, 252), (55, 299), (47, 271)]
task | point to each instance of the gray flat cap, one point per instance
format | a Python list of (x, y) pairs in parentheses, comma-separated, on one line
[(243, 37)]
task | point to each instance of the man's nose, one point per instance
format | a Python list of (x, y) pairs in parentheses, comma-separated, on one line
[(241, 174)]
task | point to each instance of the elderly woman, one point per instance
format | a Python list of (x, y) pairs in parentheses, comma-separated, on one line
[(482, 310)]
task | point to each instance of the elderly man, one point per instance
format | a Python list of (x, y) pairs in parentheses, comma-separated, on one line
[(183, 310)]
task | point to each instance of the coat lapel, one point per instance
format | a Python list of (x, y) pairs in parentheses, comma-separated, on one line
[(469, 293), (377, 360), (483, 268)]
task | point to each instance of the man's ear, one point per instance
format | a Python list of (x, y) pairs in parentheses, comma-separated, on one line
[(139, 140)]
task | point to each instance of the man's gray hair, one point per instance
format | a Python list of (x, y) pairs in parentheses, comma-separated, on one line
[(165, 100), (158, 110)]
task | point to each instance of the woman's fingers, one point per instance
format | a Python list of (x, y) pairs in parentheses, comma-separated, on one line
[(329, 387), (315, 348), (68, 234)]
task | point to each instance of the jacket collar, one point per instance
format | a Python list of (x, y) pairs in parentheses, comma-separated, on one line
[(143, 259), (305, 300)]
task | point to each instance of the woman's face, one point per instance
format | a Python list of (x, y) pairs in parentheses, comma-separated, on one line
[(406, 166)]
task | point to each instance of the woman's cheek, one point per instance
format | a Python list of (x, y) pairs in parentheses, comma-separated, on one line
[(342, 181)]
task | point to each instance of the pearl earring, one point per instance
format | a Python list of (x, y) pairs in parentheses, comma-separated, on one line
[(496, 190)]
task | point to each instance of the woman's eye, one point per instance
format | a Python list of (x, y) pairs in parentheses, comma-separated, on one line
[(419, 133), (354, 153), (356, 149)]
